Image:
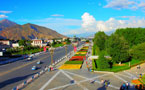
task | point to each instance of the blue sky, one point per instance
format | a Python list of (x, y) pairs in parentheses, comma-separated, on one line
[(71, 17)]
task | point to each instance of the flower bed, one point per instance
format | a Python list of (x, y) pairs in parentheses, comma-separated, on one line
[(73, 62), (70, 66), (76, 61), (136, 82), (80, 55), (81, 52)]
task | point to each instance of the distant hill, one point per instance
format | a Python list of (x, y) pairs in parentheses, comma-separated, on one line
[(29, 31), (5, 23)]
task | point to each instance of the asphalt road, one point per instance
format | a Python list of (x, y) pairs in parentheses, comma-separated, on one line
[(15, 73)]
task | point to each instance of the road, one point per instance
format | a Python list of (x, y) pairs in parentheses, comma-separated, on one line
[(15, 73)]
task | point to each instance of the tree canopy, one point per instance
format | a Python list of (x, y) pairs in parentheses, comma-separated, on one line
[(138, 51), (99, 40), (117, 47)]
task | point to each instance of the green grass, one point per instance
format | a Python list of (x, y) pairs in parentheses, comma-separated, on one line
[(94, 64), (58, 45), (74, 62), (142, 79), (113, 69)]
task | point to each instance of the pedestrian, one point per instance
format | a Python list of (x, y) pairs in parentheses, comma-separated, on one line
[(124, 86), (121, 87), (127, 85), (92, 81), (106, 83), (140, 75), (102, 81)]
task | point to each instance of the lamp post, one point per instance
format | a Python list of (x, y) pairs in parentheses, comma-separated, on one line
[(51, 50), (66, 49)]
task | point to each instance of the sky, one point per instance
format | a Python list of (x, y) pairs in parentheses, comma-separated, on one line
[(76, 17)]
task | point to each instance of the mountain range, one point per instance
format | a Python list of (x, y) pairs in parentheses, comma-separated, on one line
[(11, 30)]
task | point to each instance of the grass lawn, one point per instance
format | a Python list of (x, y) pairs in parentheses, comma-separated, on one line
[(74, 62), (118, 68), (143, 79)]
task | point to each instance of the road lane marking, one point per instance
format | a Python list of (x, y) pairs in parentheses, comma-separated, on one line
[(133, 76), (124, 75), (120, 78), (67, 75), (73, 79), (76, 74), (48, 82), (87, 79), (1, 74)]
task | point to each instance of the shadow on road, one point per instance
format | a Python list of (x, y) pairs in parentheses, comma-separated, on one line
[(14, 80)]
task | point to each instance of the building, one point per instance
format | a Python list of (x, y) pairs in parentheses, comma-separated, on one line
[(5, 44), (38, 42), (15, 45)]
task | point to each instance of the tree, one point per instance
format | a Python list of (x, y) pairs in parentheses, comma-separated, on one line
[(138, 51), (102, 62), (99, 40), (117, 47), (133, 36), (67, 41), (22, 43)]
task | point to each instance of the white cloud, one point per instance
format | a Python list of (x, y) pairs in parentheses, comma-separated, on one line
[(125, 4), (88, 21), (5, 12), (3, 16), (119, 4), (57, 15), (142, 5), (89, 24)]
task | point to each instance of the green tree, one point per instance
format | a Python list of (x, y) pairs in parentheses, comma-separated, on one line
[(102, 62), (117, 47), (22, 43), (99, 40), (134, 36), (67, 41), (138, 51)]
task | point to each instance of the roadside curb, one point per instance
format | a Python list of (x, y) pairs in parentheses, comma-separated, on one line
[(104, 72)]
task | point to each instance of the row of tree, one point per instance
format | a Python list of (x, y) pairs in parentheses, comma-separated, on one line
[(123, 45)]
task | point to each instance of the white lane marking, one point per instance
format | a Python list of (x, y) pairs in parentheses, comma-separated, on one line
[(120, 78), (124, 75), (109, 85), (83, 81), (76, 75), (73, 79), (50, 80), (66, 75), (133, 76)]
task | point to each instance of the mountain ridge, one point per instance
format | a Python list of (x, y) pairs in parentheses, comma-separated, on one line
[(29, 31)]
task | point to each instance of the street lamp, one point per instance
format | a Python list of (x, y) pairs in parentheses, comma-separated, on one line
[(51, 50), (66, 49)]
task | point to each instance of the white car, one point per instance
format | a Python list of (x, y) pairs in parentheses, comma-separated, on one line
[(39, 62), (29, 58), (34, 68)]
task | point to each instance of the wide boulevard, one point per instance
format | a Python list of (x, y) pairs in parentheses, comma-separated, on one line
[(14, 73)]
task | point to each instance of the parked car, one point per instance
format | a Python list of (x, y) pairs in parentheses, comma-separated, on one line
[(34, 68)]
